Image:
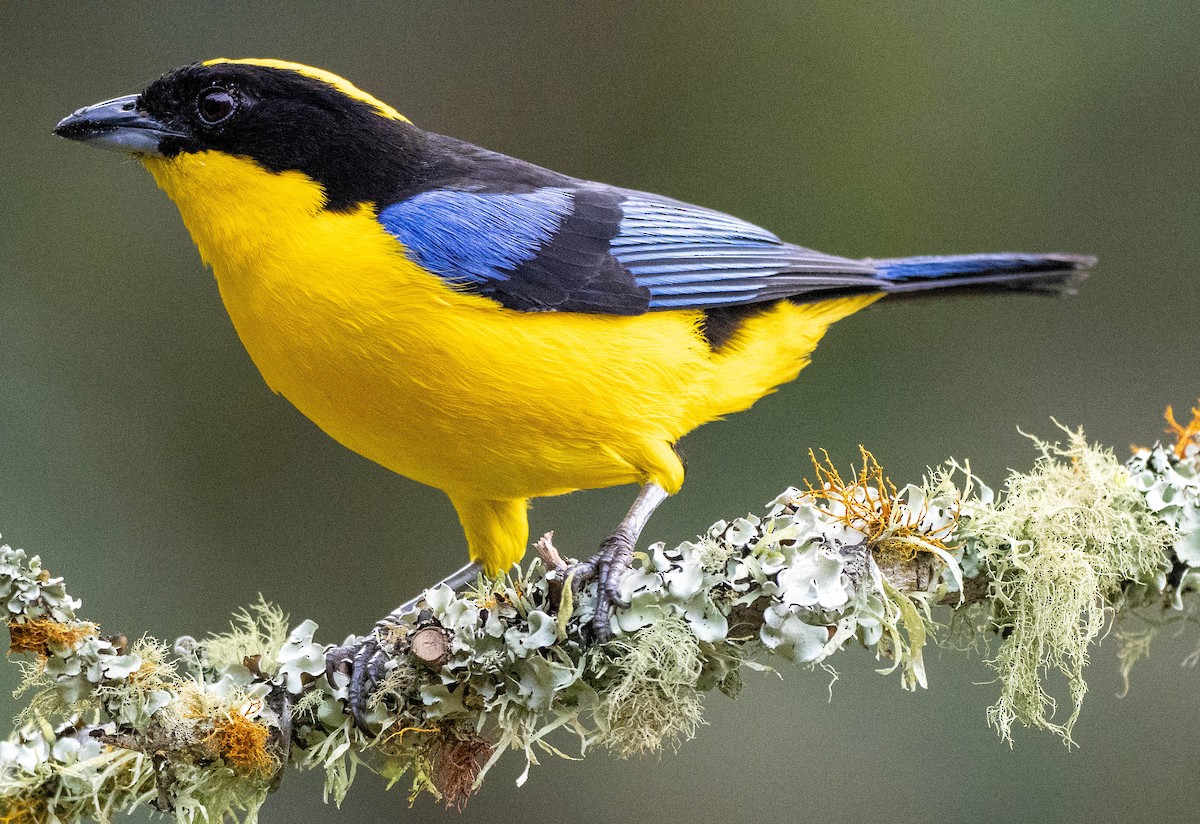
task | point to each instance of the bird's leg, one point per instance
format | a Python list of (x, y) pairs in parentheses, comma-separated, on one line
[(609, 565), (364, 659)]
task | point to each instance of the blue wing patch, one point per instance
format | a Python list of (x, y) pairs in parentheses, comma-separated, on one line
[(471, 238), (534, 240), (595, 248)]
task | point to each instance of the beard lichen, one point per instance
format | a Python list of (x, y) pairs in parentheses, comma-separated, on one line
[(651, 699), (256, 634), (48, 705), (1056, 550)]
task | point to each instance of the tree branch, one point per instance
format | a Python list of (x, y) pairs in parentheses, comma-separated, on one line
[(1033, 572)]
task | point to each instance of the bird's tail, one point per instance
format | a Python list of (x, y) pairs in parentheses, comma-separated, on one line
[(1054, 274)]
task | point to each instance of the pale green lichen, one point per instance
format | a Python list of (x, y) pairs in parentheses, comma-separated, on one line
[(256, 634), (1169, 478), (1170, 483), (650, 697), (1057, 550)]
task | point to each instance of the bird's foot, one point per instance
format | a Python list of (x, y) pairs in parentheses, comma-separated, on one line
[(364, 662), (607, 567)]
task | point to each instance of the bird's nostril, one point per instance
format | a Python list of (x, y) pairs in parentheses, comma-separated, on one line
[(128, 107)]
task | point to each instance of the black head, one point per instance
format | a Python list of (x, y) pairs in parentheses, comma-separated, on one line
[(283, 116)]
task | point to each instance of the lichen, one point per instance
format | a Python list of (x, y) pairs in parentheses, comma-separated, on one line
[(44, 636), (850, 561), (24, 810), (650, 698), (457, 763), (897, 526), (241, 743), (1057, 550), (1186, 435), (255, 635)]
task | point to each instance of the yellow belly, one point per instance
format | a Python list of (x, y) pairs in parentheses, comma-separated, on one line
[(473, 398), (449, 388)]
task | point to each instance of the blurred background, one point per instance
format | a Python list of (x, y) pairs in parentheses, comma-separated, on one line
[(146, 461)]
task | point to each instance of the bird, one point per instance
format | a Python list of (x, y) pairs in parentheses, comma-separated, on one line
[(478, 323)]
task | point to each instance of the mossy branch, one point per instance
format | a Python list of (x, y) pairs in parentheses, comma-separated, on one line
[(204, 732)]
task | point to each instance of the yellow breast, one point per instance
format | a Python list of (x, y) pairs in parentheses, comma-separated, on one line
[(449, 388)]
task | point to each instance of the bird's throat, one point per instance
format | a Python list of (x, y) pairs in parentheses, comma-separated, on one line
[(234, 209)]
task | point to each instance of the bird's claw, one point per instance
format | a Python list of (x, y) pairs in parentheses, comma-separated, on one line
[(607, 567), (364, 663)]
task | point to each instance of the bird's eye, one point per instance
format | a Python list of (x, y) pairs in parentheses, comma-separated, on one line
[(216, 105)]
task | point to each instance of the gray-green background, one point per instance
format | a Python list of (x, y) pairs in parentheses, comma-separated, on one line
[(144, 458)]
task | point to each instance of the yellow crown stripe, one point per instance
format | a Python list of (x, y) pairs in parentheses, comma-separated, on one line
[(340, 83)]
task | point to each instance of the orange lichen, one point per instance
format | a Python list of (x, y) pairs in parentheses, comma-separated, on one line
[(457, 765), (398, 735), (42, 636), (23, 810), (869, 503), (1184, 434), (867, 497), (242, 744), (392, 743)]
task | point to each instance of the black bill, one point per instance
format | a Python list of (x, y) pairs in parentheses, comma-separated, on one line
[(117, 124)]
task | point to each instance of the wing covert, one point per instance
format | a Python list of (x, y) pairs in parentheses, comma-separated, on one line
[(595, 248)]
